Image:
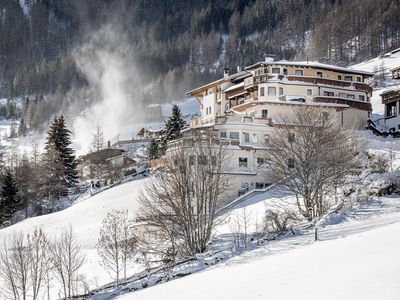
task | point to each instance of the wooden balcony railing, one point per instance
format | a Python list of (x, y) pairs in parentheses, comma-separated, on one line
[(352, 103)]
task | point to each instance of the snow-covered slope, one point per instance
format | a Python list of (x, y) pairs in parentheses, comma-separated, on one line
[(85, 217), (387, 61), (359, 266)]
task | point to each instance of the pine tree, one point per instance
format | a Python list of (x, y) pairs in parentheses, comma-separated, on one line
[(22, 128), (52, 173), (174, 125), (59, 136), (153, 150), (9, 200), (13, 130), (173, 128)]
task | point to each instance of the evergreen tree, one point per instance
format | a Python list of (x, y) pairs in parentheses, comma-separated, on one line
[(59, 137), (13, 130), (173, 127), (9, 200), (153, 150), (22, 128), (52, 173)]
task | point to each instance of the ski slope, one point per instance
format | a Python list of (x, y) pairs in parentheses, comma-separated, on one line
[(356, 259)]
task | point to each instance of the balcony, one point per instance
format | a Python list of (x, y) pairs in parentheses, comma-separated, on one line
[(352, 103), (333, 82)]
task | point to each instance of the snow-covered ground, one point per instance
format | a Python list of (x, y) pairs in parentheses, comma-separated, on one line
[(357, 259), (85, 217)]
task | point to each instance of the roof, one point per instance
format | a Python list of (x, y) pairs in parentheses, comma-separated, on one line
[(234, 87), (312, 64), (127, 142), (390, 91), (232, 77)]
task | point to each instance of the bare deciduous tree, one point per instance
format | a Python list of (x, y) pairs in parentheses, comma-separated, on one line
[(181, 199), (116, 243), (23, 265), (310, 156), (67, 258)]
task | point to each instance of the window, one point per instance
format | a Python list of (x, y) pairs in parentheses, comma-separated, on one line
[(358, 79), (271, 91), (284, 71), (391, 109), (260, 161), (280, 91), (259, 185), (246, 137), (276, 70), (361, 97), (202, 160), (309, 92), (192, 160), (234, 135), (329, 94), (348, 78), (298, 72), (243, 162), (319, 74), (350, 96), (264, 113), (223, 134), (262, 92), (339, 77)]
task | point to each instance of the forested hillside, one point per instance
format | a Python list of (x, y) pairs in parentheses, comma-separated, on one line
[(177, 44)]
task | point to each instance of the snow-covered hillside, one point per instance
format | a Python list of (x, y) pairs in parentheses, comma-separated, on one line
[(350, 262), (387, 61), (85, 217)]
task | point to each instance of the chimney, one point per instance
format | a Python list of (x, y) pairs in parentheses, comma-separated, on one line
[(269, 58), (108, 144), (226, 72)]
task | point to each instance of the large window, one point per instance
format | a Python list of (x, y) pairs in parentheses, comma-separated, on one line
[(276, 70), (243, 162), (262, 91), (319, 74), (271, 91), (339, 77), (298, 72), (234, 135), (223, 134), (350, 96), (361, 97), (358, 79), (264, 113)]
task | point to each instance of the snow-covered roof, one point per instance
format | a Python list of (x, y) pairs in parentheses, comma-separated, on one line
[(313, 64), (234, 87)]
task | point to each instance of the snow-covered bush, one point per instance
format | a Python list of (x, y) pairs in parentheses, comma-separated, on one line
[(279, 222)]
